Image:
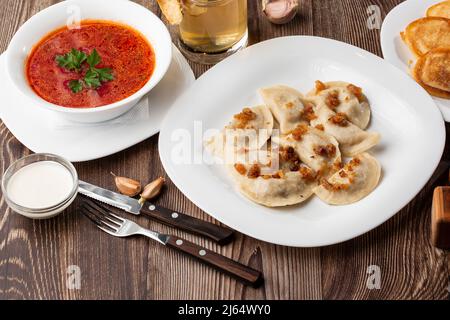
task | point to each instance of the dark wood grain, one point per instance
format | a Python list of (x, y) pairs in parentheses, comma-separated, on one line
[(245, 274), (35, 255)]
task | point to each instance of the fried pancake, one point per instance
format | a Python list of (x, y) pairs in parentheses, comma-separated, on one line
[(441, 9), (432, 71), (426, 34), (171, 10)]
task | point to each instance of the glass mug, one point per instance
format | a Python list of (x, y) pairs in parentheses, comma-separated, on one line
[(211, 30)]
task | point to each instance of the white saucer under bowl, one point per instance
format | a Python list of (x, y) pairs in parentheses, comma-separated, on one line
[(44, 131)]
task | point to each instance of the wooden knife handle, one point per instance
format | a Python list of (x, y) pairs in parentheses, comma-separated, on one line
[(219, 234), (440, 218), (237, 270)]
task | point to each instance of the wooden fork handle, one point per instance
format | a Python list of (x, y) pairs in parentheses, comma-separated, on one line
[(241, 272), (179, 220)]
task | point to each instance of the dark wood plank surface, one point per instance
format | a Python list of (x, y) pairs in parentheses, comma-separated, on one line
[(35, 255)]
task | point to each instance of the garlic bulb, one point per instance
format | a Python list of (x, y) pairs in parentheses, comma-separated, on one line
[(280, 11)]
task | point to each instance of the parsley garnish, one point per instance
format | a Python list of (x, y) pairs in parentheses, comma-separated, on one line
[(105, 74), (92, 80), (72, 61), (93, 77), (76, 85), (93, 59)]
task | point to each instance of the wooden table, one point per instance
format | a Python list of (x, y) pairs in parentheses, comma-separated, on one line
[(35, 256)]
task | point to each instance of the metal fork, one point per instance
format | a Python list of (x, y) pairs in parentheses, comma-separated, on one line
[(120, 227)]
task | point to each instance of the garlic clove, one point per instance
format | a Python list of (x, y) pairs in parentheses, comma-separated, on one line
[(280, 11), (152, 190), (127, 186)]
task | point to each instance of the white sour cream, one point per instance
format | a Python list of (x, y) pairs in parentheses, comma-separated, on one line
[(40, 185)]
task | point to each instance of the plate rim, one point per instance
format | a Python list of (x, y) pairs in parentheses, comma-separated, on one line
[(181, 186)]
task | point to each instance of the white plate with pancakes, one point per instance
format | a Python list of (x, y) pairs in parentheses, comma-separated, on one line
[(395, 49), (401, 112)]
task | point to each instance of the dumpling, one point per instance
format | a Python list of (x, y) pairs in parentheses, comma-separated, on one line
[(316, 149), (255, 118), (352, 140), (288, 182), (355, 181), (288, 106), (289, 190), (251, 128), (345, 98)]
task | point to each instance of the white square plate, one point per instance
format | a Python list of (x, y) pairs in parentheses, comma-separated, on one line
[(412, 130)]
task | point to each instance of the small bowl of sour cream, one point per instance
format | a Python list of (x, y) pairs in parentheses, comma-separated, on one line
[(40, 186)]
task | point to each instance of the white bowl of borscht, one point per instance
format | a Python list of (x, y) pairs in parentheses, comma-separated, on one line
[(89, 60)]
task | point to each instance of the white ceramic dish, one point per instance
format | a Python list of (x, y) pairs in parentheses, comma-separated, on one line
[(53, 17), (410, 126), (395, 50), (42, 131)]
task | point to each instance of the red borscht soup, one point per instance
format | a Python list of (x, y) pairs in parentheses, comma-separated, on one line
[(97, 64)]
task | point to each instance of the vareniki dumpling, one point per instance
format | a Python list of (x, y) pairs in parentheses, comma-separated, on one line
[(288, 106), (255, 118), (290, 182), (355, 181), (352, 140), (276, 192), (251, 128), (344, 98), (316, 149), (305, 156)]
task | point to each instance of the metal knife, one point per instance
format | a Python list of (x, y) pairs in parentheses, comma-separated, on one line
[(219, 234)]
